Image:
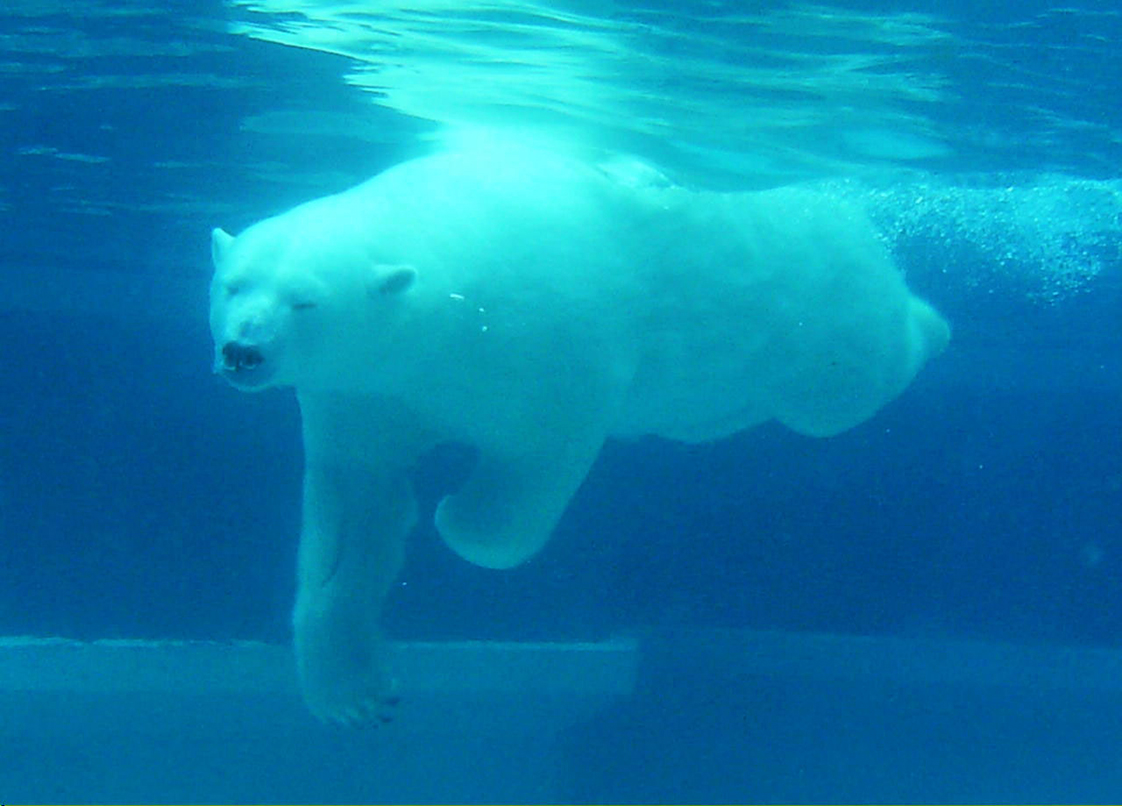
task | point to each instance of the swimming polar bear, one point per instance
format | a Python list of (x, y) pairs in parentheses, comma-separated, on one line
[(532, 305)]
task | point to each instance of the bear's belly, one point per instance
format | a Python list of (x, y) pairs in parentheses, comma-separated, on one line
[(693, 391)]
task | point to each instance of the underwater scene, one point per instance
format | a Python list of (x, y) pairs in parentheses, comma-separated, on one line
[(679, 401)]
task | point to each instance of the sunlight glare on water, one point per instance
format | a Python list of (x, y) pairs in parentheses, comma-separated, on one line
[(763, 97)]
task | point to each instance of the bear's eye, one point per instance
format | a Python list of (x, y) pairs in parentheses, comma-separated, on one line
[(233, 289), (303, 306)]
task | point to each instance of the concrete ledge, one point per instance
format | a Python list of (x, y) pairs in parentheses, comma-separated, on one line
[(771, 717), (680, 716), (205, 667), (197, 722), (912, 661)]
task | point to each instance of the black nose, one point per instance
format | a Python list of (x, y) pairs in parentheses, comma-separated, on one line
[(238, 357)]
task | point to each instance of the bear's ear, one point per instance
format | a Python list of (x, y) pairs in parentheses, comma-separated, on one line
[(220, 241), (387, 281)]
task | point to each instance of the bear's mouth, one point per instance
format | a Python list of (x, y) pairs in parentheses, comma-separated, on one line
[(243, 365), (240, 357)]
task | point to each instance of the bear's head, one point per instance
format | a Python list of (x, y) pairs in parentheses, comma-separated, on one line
[(296, 304)]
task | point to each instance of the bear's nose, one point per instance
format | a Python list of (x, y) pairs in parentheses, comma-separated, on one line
[(237, 357)]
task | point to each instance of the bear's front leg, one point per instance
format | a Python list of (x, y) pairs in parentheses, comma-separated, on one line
[(358, 509), (351, 550)]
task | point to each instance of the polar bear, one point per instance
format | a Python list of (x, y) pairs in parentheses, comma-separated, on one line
[(533, 304)]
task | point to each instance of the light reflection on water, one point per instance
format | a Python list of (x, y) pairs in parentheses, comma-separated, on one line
[(717, 95)]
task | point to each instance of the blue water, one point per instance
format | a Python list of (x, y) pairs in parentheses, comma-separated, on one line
[(141, 497)]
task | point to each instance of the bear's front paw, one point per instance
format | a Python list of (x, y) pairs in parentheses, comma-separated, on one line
[(355, 703), (342, 668)]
